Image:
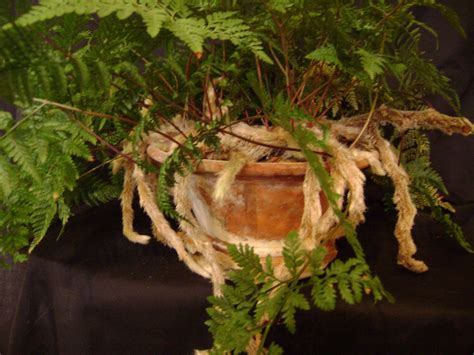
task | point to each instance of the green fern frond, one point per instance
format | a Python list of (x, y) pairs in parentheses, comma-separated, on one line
[(192, 31), (445, 11), (7, 177), (372, 63), (294, 301), (245, 258), (16, 147), (41, 219), (427, 188), (94, 190), (182, 162), (82, 72), (293, 255), (255, 294), (37, 167), (452, 228), (327, 54)]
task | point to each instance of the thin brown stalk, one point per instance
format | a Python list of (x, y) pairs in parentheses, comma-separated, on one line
[(207, 115), (54, 45), (279, 63), (366, 124), (156, 96), (259, 72), (246, 119), (90, 171), (323, 96), (188, 66), (390, 14), (88, 113), (197, 113), (311, 95), (299, 92), (333, 102), (167, 84), (169, 121), (102, 140), (167, 136)]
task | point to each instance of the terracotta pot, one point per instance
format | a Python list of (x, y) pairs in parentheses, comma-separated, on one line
[(264, 203)]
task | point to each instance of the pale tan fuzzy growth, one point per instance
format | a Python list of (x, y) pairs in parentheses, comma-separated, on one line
[(201, 241), (212, 110), (147, 201), (206, 222), (404, 204), (227, 175), (276, 136), (254, 344), (251, 150), (127, 209), (217, 273), (340, 130), (329, 219), (346, 165), (197, 238), (184, 207), (151, 180), (427, 119), (117, 165), (312, 210), (404, 120), (120, 162), (372, 158), (157, 236)]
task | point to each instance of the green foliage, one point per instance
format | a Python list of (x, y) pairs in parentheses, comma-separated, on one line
[(182, 162), (168, 15), (292, 254), (427, 187), (283, 115), (255, 299), (122, 68), (452, 228), (373, 64), (447, 12), (326, 54), (37, 169), (95, 190)]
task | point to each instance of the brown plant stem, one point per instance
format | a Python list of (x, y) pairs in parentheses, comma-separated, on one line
[(88, 113), (366, 124), (102, 140)]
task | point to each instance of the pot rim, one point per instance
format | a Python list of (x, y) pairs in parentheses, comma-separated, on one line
[(211, 166), (251, 169)]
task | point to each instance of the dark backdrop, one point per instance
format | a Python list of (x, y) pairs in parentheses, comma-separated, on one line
[(93, 292)]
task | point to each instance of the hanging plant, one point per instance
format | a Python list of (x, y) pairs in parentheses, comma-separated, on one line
[(125, 98)]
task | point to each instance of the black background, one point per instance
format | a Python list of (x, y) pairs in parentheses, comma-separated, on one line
[(93, 292)]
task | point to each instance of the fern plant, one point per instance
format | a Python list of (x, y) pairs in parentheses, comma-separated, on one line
[(92, 78), (256, 299)]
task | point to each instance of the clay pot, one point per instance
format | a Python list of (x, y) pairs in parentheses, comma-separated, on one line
[(264, 203)]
